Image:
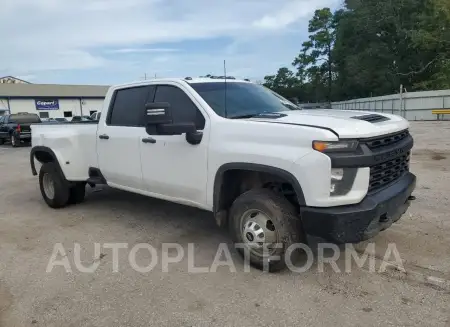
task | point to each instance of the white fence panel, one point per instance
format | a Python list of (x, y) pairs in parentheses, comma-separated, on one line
[(416, 105)]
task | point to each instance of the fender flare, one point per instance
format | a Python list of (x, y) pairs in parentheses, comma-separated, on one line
[(218, 180), (48, 151)]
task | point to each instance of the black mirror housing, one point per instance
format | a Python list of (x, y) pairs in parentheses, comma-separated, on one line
[(175, 129), (157, 113), (158, 121)]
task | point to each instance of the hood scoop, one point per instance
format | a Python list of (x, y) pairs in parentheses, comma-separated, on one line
[(372, 118)]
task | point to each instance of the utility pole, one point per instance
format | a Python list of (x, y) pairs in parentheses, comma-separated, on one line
[(401, 100)]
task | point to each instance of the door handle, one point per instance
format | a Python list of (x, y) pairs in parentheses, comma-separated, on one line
[(149, 140), (103, 137)]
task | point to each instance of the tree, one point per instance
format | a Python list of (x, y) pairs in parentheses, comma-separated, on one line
[(370, 48), (319, 48), (285, 83), (433, 38), (284, 78), (381, 44)]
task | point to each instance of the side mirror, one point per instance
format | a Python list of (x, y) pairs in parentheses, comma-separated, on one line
[(157, 113), (158, 120), (175, 129)]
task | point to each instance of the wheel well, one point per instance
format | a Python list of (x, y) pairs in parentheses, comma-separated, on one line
[(43, 156), (238, 181)]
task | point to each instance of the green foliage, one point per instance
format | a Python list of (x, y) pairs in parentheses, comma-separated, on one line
[(370, 48), (315, 62), (283, 79)]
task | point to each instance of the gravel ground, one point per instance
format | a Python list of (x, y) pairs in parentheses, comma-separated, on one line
[(30, 296)]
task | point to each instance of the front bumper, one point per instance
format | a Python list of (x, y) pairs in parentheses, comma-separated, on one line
[(359, 222)]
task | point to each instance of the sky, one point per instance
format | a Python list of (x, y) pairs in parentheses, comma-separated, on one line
[(116, 41)]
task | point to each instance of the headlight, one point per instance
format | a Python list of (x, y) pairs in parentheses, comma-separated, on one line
[(342, 180), (335, 146)]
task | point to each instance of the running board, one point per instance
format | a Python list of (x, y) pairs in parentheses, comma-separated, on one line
[(95, 177)]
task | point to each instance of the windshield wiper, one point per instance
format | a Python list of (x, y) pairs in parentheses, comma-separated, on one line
[(261, 115), (244, 116)]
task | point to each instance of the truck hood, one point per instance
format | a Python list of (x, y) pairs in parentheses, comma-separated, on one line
[(344, 123)]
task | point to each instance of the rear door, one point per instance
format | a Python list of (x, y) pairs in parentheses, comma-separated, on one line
[(119, 138)]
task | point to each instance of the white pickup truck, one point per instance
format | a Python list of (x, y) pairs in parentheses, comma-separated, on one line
[(268, 170)]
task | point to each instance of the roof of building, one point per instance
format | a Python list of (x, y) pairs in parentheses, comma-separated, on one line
[(88, 91), (52, 91), (12, 79)]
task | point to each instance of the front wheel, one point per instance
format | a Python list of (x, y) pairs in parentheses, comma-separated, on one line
[(54, 188), (265, 225)]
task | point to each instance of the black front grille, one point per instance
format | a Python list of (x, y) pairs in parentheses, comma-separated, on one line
[(387, 172), (386, 140)]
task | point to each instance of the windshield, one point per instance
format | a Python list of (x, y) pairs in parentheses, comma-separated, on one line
[(242, 99), (24, 119)]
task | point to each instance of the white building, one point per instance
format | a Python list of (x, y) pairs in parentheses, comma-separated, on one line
[(51, 100)]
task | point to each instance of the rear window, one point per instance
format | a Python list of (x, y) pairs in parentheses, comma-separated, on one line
[(24, 119)]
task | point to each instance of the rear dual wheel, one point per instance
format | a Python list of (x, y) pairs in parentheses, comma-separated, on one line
[(56, 191), (15, 141), (77, 193)]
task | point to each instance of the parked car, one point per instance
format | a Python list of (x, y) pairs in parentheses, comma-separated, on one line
[(96, 115), (15, 128), (60, 119), (269, 171), (54, 120), (81, 118)]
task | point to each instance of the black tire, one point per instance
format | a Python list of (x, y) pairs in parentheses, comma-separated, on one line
[(2, 141), (284, 217), (15, 141), (77, 193), (60, 186)]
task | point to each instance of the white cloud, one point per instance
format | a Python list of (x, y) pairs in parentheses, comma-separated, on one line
[(288, 14), (45, 35), (143, 50)]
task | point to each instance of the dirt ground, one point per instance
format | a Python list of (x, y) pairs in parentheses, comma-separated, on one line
[(30, 296)]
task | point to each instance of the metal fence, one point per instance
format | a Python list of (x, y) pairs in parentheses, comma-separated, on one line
[(411, 105)]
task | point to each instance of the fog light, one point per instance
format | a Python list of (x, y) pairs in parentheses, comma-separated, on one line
[(332, 188), (341, 180), (337, 174)]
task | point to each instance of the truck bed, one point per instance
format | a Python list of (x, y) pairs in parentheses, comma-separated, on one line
[(94, 122), (74, 145)]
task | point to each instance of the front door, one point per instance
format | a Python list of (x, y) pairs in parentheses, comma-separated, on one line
[(119, 138), (172, 167)]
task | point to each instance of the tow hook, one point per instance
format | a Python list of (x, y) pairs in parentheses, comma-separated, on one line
[(411, 198)]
